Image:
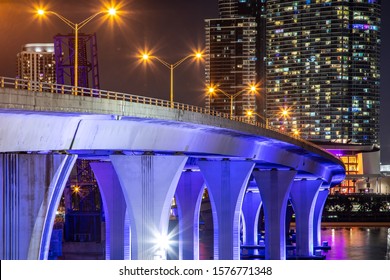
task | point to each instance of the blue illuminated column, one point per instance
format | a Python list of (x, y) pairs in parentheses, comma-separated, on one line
[(31, 189), (303, 197), (114, 205), (226, 182), (274, 186), (188, 199), (148, 183), (319, 206), (251, 209)]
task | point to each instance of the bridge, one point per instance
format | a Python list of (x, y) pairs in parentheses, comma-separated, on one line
[(146, 151)]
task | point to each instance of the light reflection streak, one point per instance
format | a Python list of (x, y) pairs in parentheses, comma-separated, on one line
[(355, 243)]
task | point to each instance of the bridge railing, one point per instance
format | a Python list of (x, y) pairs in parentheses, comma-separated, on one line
[(66, 89)]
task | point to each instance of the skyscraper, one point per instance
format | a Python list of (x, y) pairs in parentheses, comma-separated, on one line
[(36, 63), (319, 63), (323, 69), (234, 56)]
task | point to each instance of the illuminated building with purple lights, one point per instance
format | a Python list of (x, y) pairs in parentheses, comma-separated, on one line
[(319, 64), (323, 73), (323, 68), (362, 167)]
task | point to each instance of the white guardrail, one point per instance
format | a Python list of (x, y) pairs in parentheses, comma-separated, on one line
[(6, 82)]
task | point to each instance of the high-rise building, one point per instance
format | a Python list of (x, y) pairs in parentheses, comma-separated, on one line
[(323, 69), (235, 48), (36, 63)]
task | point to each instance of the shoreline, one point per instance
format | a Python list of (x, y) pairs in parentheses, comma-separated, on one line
[(353, 224)]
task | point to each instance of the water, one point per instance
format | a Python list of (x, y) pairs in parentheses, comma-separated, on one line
[(356, 243), (347, 243)]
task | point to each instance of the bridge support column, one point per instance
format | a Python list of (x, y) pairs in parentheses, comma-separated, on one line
[(319, 207), (303, 196), (31, 189), (115, 211), (251, 209), (274, 189), (226, 181), (148, 183), (188, 198)]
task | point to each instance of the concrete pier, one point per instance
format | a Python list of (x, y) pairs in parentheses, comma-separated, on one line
[(303, 197), (148, 183), (117, 243), (188, 199), (226, 181), (31, 188), (274, 186)]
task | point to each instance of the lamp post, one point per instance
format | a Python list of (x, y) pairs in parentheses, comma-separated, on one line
[(76, 27), (250, 113), (171, 67), (284, 113), (252, 88)]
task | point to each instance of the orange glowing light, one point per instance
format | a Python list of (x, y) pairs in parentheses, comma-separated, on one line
[(112, 11)]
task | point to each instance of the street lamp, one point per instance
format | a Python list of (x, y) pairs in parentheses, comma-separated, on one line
[(284, 113), (250, 113), (252, 88), (171, 67), (76, 27), (296, 133)]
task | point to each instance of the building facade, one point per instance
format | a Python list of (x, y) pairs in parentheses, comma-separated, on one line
[(317, 66), (36, 63), (235, 48), (323, 69)]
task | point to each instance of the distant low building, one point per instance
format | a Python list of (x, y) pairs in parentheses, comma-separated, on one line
[(36, 63), (363, 171), (385, 182)]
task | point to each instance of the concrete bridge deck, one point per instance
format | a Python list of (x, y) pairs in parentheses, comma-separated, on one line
[(93, 126), (146, 147)]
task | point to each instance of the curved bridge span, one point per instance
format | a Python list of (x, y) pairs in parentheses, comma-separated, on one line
[(145, 152)]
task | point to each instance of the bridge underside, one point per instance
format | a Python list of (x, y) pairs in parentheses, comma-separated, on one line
[(140, 188)]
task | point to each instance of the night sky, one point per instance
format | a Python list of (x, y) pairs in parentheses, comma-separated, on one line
[(171, 28)]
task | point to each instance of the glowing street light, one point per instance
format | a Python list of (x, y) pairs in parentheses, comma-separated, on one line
[(250, 113), (285, 113), (112, 11), (251, 88), (171, 67), (76, 27)]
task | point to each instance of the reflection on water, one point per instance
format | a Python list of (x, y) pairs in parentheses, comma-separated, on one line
[(356, 243), (347, 243)]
